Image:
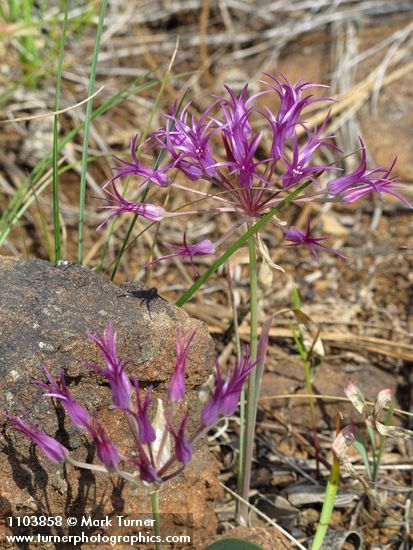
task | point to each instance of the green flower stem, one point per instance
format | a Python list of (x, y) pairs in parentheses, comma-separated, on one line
[(306, 357), (155, 516), (252, 397), (328, 505), (308, 384), (240, 242)]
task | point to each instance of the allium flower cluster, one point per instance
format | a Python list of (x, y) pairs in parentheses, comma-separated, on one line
[(226, 146), (153, 460)]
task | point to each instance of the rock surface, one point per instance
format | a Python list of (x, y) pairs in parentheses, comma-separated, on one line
[(45, 312)]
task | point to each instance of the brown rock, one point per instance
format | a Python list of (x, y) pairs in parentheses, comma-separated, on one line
[(45, 312)]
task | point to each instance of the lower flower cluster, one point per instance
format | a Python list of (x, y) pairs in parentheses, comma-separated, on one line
[(154, 459)]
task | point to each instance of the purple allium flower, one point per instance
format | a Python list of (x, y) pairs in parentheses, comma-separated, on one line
[(237, 136), (121, 205), (203, 248), (226, 395), (299, 167), (115, 371), (147, 472), (240, 156), (146, 432), (78, 414), (54, 451), (251, 180), (362, 182), (292, 103), (188, 143), (136, 168), (298, 237), (240, 147), (183, 449), (106, 450), (237, 111), (176, 390)]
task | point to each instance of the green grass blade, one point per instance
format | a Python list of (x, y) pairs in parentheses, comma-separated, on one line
[(296, 298), (124, 245), (30, 54), (42, 165), (88, 119), (13, 10), (240, 242), (56, 210)]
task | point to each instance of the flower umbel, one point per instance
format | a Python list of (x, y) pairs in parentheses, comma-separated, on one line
[(152, 458), (246, 177)]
